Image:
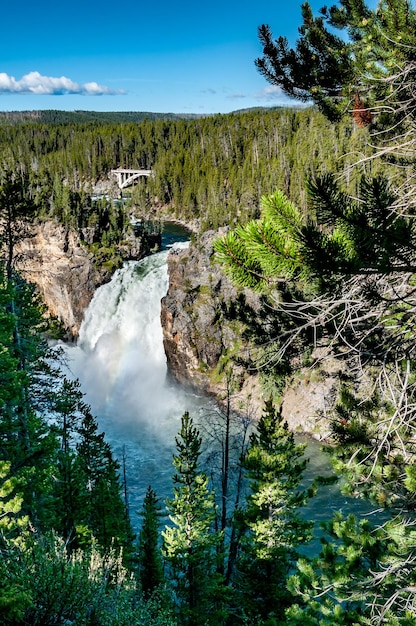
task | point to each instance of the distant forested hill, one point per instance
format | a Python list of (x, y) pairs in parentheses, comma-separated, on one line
[(214, 168), (73, 117)]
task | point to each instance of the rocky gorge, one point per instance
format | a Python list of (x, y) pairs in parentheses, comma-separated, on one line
[(66, 273), (204, 337), (206, 346)]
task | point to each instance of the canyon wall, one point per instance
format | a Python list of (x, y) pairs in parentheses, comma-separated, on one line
[(66, 274), (54, 259), (196, 330), (203, 338), (204, 341)]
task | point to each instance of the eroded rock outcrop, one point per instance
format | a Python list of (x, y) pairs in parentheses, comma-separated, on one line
[(197, 332), (54, 259), (58, 262), (200, 334)]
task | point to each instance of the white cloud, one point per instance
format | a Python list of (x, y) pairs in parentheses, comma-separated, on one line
[(35, 83), (274, 94), (271, 92)]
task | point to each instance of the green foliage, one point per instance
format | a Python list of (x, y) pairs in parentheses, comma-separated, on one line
[(361, 236), (240, 156), (355, 426), (333, 70), (274, 527), (344, 236), (15, 208), (85, 588), (57, 476), (189, 544), (358, 256), (26, 442), (11, 517), (319, 65), (104, 511), (361, 576), (87, 492), (264, 250), (150, 568), (53, 116), (350, 261)]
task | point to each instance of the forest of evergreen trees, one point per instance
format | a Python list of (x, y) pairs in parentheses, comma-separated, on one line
[(212, 168), (51, 116), (67, 549), (321, 204)]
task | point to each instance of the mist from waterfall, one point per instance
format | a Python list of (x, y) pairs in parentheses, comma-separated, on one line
[(120, 362)]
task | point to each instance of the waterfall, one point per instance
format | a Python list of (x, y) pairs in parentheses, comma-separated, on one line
[(121, 342), (120, 362), (121, 365)]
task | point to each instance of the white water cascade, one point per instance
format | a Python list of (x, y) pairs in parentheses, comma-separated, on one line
[(120, 362)]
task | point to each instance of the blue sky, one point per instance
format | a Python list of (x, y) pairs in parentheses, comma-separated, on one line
[(159, 56)]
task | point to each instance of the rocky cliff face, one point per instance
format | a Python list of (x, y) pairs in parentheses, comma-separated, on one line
[(54, 259), (199, 338)]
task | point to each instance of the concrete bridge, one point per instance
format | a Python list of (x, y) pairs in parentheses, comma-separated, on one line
[(127, 177)]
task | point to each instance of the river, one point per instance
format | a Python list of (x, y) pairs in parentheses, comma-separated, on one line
[(120, 362)]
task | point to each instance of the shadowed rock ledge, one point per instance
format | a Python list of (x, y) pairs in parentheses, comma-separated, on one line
[(199, 337), (66, 274)]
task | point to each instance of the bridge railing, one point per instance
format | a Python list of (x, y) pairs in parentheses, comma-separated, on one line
[(126, 177)]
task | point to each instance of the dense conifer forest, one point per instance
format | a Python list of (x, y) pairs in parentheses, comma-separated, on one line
[(213, 168), (51, 116), (320, 202)]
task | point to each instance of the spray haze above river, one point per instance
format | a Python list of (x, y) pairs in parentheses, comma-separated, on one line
[(120, 362), (121, 342)]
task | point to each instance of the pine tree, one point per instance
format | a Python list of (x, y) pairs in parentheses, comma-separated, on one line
[(88, 502), (265, 251), (320, 65), (352, 270), (349, 271), (150, 567), (14, 598), (350, 266), (102, 511), (68, 406), (227, 436), (371, 60), (15, 209), (190, 542), (25, 439), (343, 236), (274, 465), (363, 575)]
